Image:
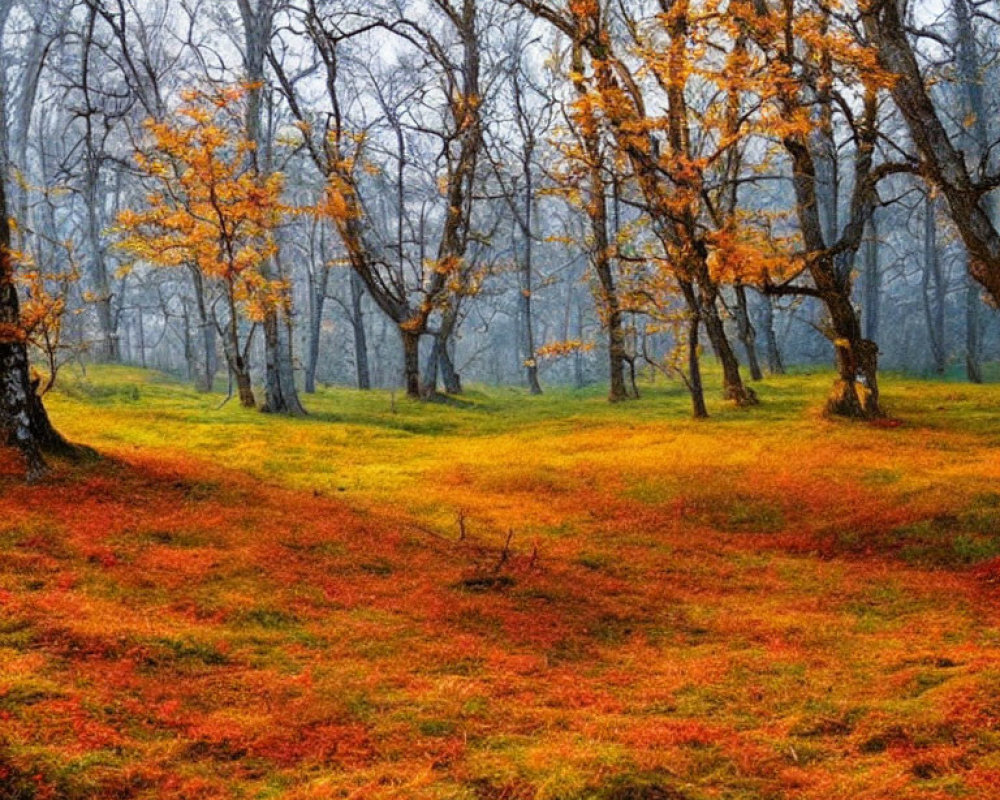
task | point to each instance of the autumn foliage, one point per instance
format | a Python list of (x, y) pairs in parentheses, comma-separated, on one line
[(207, 209)]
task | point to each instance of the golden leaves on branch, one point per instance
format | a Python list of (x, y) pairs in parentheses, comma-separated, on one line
[(209, 208), (748, 251), (561, 349), (43, 310), (335, 204)]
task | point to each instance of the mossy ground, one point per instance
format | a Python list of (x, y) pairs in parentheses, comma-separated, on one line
[(767, 604)]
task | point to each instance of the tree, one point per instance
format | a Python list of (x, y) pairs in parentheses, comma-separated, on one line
[(280, 395), (672, 176), (593, 157), (338, 151), (212, 213), (43, 316), (530, 122), (24, 422), (941, 161), (813, 68)]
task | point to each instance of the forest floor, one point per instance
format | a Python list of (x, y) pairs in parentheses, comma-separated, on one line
[(767, 604)]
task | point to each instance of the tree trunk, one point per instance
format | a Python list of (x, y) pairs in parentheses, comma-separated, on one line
[(933, 286), (527, 323), (971, 72), (24, 422), (527, 264), (695, 386), (855, 392), (439, 361), (772, 352), (449, 376), (109, 350), (441, 354), (142, 337), (871, 280), (579, 379), (747, 334), (34, 56), (16, 423), (411, 361), (209, 365), (733, 388), (312, 362), (317, 302), (281, 396), (360, 336), (616, 359), (93, 158), (244, 385), (973, 338), (429, 382), (239, 371), (693, 381), (189, 358), (273, 400), (610, 307), (286, 364), (312, 358), (600, 254)]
